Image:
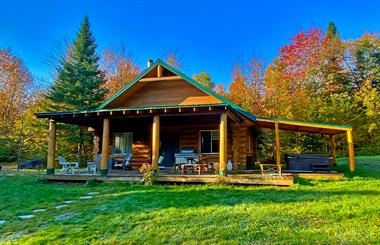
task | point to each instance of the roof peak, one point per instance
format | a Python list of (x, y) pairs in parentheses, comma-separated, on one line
[(184, 77)]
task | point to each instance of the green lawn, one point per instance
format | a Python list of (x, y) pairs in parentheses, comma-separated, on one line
[(309, 212)]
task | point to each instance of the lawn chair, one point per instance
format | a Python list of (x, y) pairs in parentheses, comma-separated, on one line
[(126, 162), (68, 166), (160, 160), (94, 166)]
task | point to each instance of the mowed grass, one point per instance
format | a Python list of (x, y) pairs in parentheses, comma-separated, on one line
[(310, 212)]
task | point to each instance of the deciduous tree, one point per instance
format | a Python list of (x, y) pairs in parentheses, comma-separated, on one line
[(205, 79), (119, 68), (15, 93)]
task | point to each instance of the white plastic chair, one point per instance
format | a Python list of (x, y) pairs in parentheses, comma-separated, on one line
[(68, 166)]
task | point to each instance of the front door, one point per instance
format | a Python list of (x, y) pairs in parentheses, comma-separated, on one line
[(169, 146)]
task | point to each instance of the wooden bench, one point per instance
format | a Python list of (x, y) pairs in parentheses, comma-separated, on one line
[(269, 167)]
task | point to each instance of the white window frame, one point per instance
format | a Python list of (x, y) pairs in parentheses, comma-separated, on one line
[(200, 141)]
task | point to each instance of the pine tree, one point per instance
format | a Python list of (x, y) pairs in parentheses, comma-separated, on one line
[(78, 85), (332, 31), (79, 81)]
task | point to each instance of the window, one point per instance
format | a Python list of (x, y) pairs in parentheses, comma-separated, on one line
[(250, 143), (122, 143), (209, 141)]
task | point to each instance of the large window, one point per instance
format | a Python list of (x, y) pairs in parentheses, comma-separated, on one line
[(209, 141), (122, 143)]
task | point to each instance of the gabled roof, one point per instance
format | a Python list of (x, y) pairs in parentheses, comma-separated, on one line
[(187, 79)]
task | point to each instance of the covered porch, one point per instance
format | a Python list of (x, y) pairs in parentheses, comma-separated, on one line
[(314, 128), (214, 133)]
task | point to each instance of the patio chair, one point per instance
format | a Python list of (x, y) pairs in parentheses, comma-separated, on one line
[(202, 165), (269, 168), (95, 165), (126, 162), (68, 166), (160, 160)]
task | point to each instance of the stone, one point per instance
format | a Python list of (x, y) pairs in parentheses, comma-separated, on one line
[(68, 201), (26, 216), (61, 206), (64, 216), (39, 210), (93, 193), (85, 197)]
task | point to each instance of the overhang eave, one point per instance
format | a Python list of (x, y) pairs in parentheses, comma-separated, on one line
[(301, 126)]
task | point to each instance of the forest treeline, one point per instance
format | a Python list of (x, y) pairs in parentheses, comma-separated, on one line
[(317, 76)]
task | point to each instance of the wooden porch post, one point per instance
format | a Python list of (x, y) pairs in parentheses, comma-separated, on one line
[(351, 156), (278, 152), (155, 142), (333, 149), (51, 147), (105, 145), (159, 71), (223, 144)]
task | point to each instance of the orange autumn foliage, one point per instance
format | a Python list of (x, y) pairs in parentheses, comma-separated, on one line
[(15, 80), (119, 69)]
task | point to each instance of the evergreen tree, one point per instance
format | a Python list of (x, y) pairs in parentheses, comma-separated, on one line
[(78, 86), (332, 31), (79, 81)]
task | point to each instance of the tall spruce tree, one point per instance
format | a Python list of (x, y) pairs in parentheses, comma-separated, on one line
[(79, 80), (332, 31), (78, 86)]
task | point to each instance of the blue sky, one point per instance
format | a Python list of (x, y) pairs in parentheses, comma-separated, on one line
[(210, 35)]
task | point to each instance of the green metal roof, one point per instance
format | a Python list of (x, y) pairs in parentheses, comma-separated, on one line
[(187, 79), (306, 122)]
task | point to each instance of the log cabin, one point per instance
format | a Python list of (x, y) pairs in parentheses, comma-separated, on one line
[(164, 112)]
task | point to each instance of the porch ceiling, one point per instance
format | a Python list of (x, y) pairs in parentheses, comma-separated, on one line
[(300, 126)]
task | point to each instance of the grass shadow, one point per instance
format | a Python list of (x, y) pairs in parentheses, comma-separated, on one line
[(303, 181)]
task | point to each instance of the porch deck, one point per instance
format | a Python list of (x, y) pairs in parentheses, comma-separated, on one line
[(241, 177), (284, 180)]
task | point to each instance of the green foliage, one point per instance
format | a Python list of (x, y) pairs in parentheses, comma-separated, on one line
[(309, 212), (79, 86), (7, 149), (79, 81), (205, 79), (331, 31)]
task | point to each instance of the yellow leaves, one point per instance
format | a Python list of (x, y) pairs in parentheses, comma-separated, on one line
[(15, 81), (369, 97)]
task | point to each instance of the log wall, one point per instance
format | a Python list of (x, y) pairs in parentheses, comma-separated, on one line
[(238, 138)]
